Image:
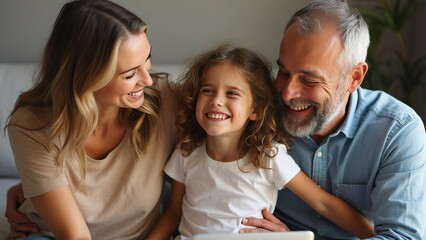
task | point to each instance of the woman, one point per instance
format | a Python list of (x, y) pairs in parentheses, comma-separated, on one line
[(90, 139)]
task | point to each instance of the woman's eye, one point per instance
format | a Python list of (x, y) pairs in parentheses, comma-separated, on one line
[(131, 75), (148, 65)]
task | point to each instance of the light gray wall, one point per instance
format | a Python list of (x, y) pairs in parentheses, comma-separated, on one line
[(178, 29)]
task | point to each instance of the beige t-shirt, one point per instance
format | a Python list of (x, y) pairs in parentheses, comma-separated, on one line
[(120, 196)]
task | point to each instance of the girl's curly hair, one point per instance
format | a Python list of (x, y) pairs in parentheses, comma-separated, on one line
[(259, 136)]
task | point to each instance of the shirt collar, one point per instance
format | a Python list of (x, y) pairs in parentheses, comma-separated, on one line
[(350, 123)]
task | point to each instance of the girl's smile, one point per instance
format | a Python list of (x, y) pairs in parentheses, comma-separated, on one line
[(225, 102)]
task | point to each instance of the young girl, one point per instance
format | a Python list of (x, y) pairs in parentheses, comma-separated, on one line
[(232, 159)]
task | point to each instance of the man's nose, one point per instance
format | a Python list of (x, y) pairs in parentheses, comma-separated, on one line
[(290, 88)]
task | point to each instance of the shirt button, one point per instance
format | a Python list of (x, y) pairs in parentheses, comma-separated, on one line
[(319, 154)]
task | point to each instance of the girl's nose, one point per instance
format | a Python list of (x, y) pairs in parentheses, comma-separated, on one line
[(216, 101)]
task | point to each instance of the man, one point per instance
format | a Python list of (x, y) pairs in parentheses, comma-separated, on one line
[(364, 146)]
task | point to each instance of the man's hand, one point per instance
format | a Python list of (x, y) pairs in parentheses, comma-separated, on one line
[(20, 224), (269, 223)]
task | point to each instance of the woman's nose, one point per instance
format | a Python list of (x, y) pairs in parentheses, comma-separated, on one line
[(145, 78)]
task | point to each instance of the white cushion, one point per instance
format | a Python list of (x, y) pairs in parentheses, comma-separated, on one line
[(14, 78)]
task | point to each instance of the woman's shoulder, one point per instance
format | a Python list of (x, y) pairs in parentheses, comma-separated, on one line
[(29, 117), (167, 88), (167, 109), (168, 95)]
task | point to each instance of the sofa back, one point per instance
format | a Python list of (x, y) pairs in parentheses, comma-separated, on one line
[(14, 78)]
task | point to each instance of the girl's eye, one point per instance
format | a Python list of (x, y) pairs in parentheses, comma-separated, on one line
[(232, 93), (131, 75), (206, 90)]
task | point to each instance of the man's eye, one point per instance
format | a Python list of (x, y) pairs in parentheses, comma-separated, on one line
[(309, 82), (284, 74)]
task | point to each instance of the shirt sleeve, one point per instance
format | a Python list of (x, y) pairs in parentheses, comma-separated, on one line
[(399, 195), (36, 166), (284, 168), (174, 166)]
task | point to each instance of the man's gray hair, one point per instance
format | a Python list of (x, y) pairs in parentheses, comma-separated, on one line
[(352, 27)]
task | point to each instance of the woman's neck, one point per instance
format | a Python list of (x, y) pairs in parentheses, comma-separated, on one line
[(108, 119), (107, 135)]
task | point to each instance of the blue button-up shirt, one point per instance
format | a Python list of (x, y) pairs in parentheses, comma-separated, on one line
[(375, 161)]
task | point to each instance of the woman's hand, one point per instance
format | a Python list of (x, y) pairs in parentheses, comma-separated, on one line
[(269, 223), (20, 224)]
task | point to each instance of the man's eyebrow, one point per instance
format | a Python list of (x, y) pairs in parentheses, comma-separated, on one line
[(314, 74)]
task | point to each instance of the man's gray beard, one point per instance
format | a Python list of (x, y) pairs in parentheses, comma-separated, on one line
[(323, 114), (300, 128)]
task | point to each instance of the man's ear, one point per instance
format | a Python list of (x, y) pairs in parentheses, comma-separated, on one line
[(357, 76)]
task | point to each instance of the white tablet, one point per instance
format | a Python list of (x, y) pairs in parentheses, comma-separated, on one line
[(294, 235)]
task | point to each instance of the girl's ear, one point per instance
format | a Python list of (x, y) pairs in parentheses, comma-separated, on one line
[(357, 76), (253, 115)]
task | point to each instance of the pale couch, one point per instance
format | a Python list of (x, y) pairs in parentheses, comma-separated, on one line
[(15, 78)]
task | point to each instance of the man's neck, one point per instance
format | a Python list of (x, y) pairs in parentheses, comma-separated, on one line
[(330, 127)]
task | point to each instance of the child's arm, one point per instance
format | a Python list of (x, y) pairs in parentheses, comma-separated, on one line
[(330, 206), (169, 221)]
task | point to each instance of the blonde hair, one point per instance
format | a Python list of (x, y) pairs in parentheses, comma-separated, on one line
[(81, 57), (259, 135)]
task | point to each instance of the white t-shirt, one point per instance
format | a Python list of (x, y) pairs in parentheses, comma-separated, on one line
[(219, 194)]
